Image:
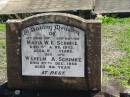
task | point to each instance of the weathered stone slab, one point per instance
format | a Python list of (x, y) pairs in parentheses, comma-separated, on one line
[(38, 6), (54, 51)]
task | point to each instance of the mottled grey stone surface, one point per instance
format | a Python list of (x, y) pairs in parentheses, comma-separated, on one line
[(34, 6)]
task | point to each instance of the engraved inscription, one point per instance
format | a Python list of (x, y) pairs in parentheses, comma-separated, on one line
[(53, 50)]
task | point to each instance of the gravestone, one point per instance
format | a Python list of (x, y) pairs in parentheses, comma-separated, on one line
[(54, 51)]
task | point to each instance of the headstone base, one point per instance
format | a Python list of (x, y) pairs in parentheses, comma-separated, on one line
[(6, 92)]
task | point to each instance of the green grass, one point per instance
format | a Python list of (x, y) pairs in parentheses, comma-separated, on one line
[(2, 42), (2, 27), (124, 40), (2, 30), (3, 64), (112, 20), (121, 69)]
